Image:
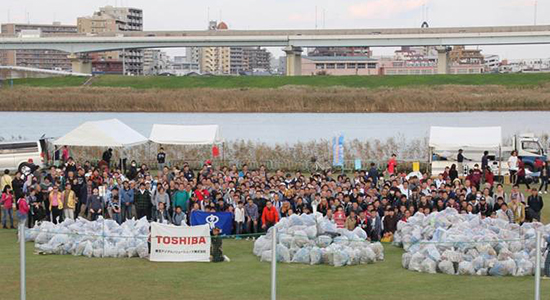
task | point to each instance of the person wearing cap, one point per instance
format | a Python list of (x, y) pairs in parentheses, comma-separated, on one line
[(484, 208)]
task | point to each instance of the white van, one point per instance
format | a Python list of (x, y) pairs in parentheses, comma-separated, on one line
[(14, 156)]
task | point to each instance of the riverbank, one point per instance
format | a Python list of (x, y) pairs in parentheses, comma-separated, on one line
[(295, 99)]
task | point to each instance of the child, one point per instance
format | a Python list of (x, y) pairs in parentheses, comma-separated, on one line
[(22, 210), (115, 209), (180, 219), (239, 217)]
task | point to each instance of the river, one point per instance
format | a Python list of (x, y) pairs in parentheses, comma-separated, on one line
[(283, 127)]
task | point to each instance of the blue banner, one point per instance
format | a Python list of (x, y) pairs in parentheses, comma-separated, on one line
[(338, 151), (222, 220)]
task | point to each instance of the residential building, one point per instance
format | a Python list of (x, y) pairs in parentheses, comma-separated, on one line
[(256, 59), (115, 19), (340, 51), (154, 62), (215, 60), (182, 66), (533, 65), (492, 63), (340, 65), (461, 55), (41, 59)]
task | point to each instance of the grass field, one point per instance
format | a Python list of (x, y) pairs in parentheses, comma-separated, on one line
[(230, 82), (69, 277)]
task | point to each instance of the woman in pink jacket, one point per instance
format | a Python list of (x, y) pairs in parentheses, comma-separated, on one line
[(7, 206)]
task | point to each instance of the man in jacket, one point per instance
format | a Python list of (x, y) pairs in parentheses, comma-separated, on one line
[(95, 204), (374, 226), (270, 216), (142, 200), (534, 204), (126, 201), (251, 214)]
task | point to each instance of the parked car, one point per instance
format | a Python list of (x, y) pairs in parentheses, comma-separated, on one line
[(23, 156)]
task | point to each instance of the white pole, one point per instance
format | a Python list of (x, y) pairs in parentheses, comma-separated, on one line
[(274, 264), (537, 267), (22, 256)]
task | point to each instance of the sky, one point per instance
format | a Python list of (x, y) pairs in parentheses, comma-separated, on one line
[(304, 14)]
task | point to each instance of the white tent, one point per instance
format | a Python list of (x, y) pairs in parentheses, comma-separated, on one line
[(106, 133), (465, 137), (186, 134)]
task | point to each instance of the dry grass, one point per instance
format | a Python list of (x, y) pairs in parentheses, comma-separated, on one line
[(443, 98)]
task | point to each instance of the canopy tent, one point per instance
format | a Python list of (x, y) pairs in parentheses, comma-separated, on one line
[(106, 133), (186, 134), (465, 137)]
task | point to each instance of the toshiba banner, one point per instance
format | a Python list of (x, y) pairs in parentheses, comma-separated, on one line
[(180, 243)]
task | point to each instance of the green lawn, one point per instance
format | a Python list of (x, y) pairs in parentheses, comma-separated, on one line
[(69, 277), (279, 81)]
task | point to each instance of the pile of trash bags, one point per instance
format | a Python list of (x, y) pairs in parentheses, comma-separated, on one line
[(452, 243), (311, 239), (101, 238)]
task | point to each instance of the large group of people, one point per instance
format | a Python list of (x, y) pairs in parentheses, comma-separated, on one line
[(374, 200)]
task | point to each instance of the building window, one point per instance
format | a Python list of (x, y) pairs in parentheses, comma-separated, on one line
[(361, 66), (341, 66), (319, 66), (330, 66), (351, 66), (372, 65)]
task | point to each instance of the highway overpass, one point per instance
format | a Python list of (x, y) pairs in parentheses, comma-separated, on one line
[(292, 40)]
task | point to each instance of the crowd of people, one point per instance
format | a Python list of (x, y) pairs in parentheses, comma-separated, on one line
[(374, 200)]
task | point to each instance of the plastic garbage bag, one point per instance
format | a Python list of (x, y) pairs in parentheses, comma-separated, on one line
[(416, 262), (431, 252), (294, 220), (378, 250), (341, 240), (360, 233), (283, 254), (142, 250), (328, 256), (429, 266), (284, 239), (308, 220), (466, 268), (405, 260), (503, 268), (266, 256), (341, 258), (315, 256), (446, 267), (261, 244), (524, 268), (324, 241), (302, 256), (300, 238), (88, 249), (311, 232)]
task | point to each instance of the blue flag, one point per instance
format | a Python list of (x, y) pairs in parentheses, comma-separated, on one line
[(222, 220)]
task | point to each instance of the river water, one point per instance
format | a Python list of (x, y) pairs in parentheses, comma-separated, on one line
[(281, 128)]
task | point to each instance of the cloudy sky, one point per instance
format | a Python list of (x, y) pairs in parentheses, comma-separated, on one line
[(275, 14)]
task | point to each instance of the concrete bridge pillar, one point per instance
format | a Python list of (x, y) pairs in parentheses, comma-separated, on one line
[(443, 60), (293, 61), (80, 64)]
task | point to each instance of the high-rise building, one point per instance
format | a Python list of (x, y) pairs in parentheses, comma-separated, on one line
[(41, 59), (257, 59), (116, 19)]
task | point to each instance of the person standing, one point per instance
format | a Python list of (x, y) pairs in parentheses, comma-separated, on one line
[(460, 160), (107, 155), (484, 164), (161, 158), (142, 200), (181, 199), (5, 180), (239, 218), (534, 205), (392, 164), (7, 206), (126, 201), (521, 174), (65, 154), (56, 204), (69, 201), (513, 166), (544, 174)]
